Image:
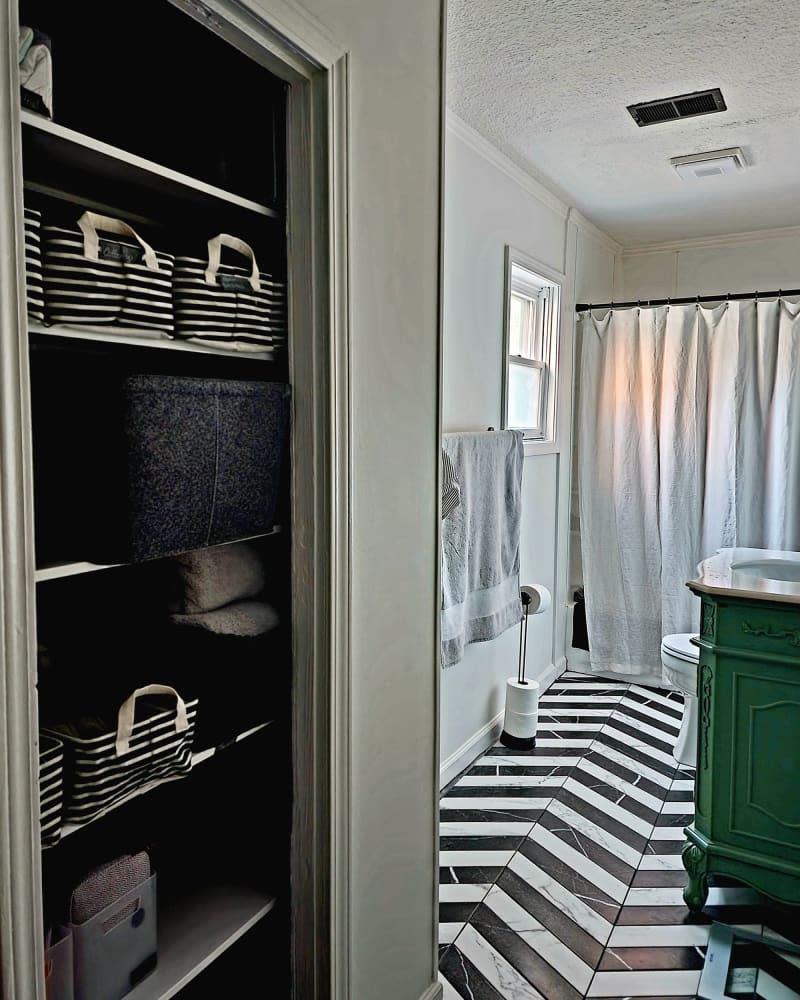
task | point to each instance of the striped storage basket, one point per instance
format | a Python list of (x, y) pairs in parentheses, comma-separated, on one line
[(106, 769), (92, 280), (33, 264), (51, 788), (238, 308)]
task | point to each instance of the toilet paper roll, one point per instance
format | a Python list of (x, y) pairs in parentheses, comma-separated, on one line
[(522, 709), (540, 598), (522, 698)]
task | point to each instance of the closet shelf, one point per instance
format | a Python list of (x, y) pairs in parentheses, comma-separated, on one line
[(197, 758), (136, 338), (73, 150), (196, 929), (58, 571)]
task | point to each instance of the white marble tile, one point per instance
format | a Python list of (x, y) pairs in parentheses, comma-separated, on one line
[(634, 765), (557, 707), (770, 988), (661, 863), (582, 682), (448, 992), (664, 982), (625, 738), (578, 861), (667, 833), (642, 727), (572, 906), (683, 785), (651, 711), (510, 781), (510, 829), (448, 931), (549, 742), (658, 699), (626, 787), (595, 833), (542, 941), (660, 936), (581, 699), (616, 812), (509, 983), (526, 761), (463, 892), (569, 727), (655, 897), (474, 859), (493, 803), (678, 808)]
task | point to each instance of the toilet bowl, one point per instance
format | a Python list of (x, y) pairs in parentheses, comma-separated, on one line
[(679, 659)]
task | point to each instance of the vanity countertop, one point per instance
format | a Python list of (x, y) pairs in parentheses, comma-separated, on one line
[(758, 574)]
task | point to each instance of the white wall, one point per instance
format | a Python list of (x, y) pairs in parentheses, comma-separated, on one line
[(395, 101), (489, 204), (758, 261)]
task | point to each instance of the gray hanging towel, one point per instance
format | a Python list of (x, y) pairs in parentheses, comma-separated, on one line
[(480, 540)]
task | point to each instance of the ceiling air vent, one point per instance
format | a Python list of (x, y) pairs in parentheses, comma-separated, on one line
[(703, 102)]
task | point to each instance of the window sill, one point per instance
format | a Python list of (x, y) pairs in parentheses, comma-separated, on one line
[(535, 447)]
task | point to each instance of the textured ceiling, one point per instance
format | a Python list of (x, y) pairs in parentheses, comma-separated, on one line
[(548, 82)]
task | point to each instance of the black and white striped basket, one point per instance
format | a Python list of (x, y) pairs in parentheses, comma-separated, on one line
[(106, 769), (51, 788), (91, 280), (238, 308), (33, 264)]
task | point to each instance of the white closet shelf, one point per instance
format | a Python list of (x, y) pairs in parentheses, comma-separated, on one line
[(196, 929), (58, 571), (68, 148), (138, 338), (197, 758)]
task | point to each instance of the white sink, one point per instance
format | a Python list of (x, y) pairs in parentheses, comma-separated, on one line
[(777, 575)]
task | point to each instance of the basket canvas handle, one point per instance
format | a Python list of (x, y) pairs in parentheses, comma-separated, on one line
[(90, 222), (127, 713), (215, 246)]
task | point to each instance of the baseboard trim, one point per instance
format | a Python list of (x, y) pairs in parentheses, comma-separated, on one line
[(433, 992), (468, 751), (490, 733)]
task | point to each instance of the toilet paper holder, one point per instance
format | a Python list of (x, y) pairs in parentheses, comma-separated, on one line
[(535, 600)]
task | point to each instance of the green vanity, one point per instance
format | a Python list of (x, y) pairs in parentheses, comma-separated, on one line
[(747, 797)]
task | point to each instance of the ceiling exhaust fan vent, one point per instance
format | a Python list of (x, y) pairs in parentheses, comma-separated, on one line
[(703, 102)]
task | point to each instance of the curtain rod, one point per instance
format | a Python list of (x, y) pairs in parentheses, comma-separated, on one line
[(586, 306)]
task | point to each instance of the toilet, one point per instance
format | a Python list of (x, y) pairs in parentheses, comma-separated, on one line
[(679, 659)]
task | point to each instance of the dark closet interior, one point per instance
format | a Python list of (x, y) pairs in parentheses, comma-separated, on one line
[(161, 124)]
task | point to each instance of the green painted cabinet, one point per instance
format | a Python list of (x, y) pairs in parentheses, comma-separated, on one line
[(747, 797)]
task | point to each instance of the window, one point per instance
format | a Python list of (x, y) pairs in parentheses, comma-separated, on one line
[(532, 310)]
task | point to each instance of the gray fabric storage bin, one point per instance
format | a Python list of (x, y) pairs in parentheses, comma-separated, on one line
[(58, 968), (192, 462), (117, 947)]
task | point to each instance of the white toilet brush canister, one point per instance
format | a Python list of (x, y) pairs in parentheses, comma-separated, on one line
[(522, 696)]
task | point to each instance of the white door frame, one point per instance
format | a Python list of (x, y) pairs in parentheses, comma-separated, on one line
[(294, 46)]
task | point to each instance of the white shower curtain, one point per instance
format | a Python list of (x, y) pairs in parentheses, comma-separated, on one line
[(689, 441)]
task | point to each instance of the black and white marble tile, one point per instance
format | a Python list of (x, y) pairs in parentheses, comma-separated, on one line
[(561, 874)]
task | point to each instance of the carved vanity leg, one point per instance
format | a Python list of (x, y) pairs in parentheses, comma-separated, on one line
[(696, 864)]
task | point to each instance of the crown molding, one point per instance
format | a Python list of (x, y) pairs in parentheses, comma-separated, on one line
[(590, 229), (709, 242), (526, 180)]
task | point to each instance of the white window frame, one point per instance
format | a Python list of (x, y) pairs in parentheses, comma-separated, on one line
[(545, 287)]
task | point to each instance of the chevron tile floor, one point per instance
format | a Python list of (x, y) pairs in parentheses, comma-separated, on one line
[(560, 868)]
